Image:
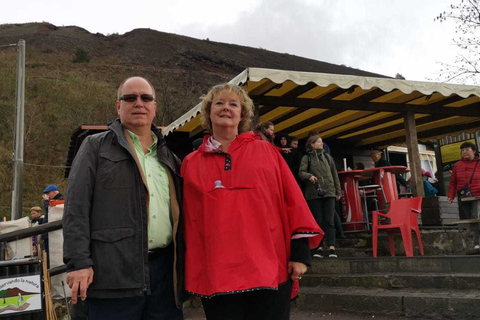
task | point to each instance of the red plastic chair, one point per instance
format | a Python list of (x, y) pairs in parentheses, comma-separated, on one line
[(403, 216)]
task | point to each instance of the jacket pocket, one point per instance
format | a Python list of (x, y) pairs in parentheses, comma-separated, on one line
[(116, 171), (117, 259), (112, 235)]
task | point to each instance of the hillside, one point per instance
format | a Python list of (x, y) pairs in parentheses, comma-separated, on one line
[(61, 95)]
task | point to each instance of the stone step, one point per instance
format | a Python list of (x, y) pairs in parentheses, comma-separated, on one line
[(354, 252), (426, 264), (457, 281), (438, 304), (436, 241)]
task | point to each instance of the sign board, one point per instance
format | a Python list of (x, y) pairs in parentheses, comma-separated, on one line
[(451, 152), (20, 294)]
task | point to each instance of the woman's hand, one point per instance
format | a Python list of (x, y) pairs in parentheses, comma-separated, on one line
[(296, 270), (449, 200), (313, 179)]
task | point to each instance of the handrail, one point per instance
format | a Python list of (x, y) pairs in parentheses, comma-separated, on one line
[(32, 231)]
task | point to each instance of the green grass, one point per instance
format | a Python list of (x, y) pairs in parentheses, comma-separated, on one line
[(13, 301)]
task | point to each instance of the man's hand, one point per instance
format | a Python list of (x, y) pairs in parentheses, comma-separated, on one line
[(296, 270), (449, 200), (338, 197), (313, 179), (286, 150), (78, 281)]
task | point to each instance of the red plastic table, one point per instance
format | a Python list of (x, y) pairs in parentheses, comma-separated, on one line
[(352, 204), (385, 178)]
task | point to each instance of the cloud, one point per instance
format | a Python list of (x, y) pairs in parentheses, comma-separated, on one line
[(380, 36)]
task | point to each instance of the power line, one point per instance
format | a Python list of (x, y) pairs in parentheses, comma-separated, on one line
[(8, 45), (44, 165)]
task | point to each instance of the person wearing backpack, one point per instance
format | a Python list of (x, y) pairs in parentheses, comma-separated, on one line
[(321, 190)]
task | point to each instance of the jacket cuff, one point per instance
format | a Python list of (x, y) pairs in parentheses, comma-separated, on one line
[(301, 251), (73, 265)]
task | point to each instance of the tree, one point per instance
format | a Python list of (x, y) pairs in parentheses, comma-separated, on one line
[(399, 76), (3, 294), (467, 62)]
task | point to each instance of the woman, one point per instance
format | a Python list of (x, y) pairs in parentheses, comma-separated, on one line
[(317, 168), (248, 229), (466, 173)]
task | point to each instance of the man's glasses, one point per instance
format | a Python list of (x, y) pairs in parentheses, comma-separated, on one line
[(132, 97)]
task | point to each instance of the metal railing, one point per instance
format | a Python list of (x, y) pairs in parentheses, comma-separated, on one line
[(30, 232)]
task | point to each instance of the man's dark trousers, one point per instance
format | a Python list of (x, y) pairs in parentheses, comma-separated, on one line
[(160, 305)]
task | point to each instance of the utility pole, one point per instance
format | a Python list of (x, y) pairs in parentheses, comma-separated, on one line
[(19, 134)]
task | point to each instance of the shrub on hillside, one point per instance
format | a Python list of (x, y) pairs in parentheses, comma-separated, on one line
[(81, 56)]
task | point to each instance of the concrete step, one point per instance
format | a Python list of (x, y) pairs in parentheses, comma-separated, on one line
[(457, 281), (436, 241), (353, 252), (426, 264), (438, 304)]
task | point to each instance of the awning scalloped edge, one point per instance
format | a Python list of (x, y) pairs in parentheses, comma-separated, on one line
[(365, 83)]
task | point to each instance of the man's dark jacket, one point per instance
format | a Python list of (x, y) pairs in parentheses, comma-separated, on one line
[(105, 220)]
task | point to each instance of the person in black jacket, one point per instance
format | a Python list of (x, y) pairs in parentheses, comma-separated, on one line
[(381, 162), (121, 221), (292, 156)]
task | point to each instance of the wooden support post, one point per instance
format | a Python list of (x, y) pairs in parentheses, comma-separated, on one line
[(416, 183), (256, 115)]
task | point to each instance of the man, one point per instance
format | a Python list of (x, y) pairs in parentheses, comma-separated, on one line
[(294, 143), (121, 221), (265, 131), (50, 193), (380, 162)]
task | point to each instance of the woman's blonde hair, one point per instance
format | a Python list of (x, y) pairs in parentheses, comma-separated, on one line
[(245, 102)]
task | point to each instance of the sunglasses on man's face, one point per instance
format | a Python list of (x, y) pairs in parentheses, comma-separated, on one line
[(133, 97)]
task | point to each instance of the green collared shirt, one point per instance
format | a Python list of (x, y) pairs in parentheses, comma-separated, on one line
[(159, 224)]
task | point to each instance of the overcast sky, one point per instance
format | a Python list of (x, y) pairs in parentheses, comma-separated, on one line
[(382, 36)]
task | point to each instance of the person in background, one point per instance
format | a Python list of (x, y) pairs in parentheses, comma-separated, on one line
[(50, 193), (248, 229), (294, 143), (436, 182), (318, 168), (466, 173), (293, 157), (196, 143), (266, 131), (381, 162), (37, 219), (428, 188)]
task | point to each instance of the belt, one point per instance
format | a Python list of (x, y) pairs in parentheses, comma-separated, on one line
[(159, 252)]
